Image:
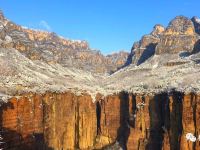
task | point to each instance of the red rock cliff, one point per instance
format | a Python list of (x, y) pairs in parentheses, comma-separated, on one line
[(124, 120)]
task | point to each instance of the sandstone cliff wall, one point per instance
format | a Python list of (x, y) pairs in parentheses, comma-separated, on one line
[(66, 121)]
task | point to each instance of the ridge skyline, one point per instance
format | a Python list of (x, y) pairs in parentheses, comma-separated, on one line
[(89, 44), (106, 29)]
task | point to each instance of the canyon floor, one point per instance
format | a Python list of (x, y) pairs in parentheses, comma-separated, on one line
[(60, 94)]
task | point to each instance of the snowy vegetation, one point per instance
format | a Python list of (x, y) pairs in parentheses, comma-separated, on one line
[(191, 137), (19, 74)]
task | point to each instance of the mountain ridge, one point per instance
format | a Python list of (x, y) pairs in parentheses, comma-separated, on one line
[(156, 41), (50, 47), (171, 49)]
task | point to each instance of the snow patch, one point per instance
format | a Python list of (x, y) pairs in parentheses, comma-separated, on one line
[(190, 137), (8, 39), (197, 20)]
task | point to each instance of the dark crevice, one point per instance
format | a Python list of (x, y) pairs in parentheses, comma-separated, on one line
[(133, 112), (77, 124), (158, 117), (124, 130), (176, 120), (98, 116), (194, 107), (129, 59), (196, 48), (148, 52), (166, 114)]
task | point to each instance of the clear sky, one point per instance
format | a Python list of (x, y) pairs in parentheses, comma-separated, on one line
[(108, 25)]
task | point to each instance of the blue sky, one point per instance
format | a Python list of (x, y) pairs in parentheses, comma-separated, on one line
[(108, 25)]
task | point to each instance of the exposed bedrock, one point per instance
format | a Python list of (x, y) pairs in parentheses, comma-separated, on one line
[(52, 49), (182, 34), (128, 121), (179, 36)]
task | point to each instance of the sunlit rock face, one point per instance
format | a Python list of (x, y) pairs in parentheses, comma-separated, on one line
[(179, 36), (145, 48), (182, 34), (158, 30), (49, 121), (127, 121), (51, 48), (180, 25)]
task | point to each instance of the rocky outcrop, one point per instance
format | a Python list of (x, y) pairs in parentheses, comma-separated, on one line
[(179, 36), (182, 34), (145, 48), (51, 48), (129, 121)]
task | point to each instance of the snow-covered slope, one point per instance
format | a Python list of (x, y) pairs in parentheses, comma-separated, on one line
[(164, 66), (19, 74)]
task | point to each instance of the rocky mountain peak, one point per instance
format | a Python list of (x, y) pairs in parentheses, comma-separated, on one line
[(180, 25), (157, 30), (52, 48), (118, 58), (179, 35), (145, 48)]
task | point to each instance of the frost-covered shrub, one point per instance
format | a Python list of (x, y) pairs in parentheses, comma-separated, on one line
[(190, 137), (140, 105)]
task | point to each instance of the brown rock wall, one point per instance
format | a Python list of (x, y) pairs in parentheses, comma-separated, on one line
[(66, 121)]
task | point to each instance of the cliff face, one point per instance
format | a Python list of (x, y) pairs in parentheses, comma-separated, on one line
[(182, 34), (21, 123), (46, 121), (179, 36), (51, 48), (145, 48), (123, 120)]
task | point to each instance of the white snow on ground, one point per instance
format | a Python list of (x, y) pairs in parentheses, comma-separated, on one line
[(19, 74)]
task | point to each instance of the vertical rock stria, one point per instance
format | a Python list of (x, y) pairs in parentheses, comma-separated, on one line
[(144, 122), (21, 123)]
